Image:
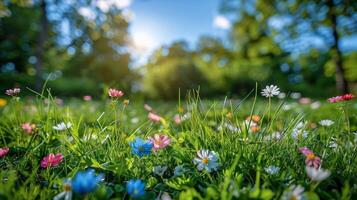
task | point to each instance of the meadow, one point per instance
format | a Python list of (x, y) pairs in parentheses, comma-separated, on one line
[(261, 146)]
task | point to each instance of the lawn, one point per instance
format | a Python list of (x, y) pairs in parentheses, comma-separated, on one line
[(251, 147)]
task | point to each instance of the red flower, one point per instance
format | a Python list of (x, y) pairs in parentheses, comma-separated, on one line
[(51, 160), (348, 97)]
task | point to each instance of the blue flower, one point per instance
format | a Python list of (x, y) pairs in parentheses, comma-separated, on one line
[(272, 169), (86, 181), (141, 147), (135, 188)]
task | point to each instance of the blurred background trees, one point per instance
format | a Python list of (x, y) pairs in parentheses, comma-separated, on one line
[(81, 47)]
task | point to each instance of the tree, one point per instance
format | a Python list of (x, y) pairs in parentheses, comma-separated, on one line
[(255, 57), (330, 20), (169, 70)]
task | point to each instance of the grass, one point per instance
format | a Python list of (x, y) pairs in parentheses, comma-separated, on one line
[(101, 131)]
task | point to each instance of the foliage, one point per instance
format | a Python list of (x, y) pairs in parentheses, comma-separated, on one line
[(97, 141)]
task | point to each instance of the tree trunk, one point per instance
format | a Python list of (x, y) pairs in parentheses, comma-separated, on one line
[(41, 40), (341, 82)]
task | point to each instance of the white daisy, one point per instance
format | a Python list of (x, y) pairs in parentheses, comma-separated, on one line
[(62, 126), (315, 105), (270, 91), (67, 193), (326, 122), (294, 192), (317, 174), (206, 160)]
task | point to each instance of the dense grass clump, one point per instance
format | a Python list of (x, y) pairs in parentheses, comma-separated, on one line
[(195, 149)]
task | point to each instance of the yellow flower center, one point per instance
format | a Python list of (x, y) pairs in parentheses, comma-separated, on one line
[(205, 160), (293, 197), (310, 156), (67, 187)]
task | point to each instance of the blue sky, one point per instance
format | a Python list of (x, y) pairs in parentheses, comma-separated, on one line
[(160, 22), (164, 21)]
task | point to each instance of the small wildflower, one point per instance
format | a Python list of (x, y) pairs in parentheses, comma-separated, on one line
[(254, 118), (67, 193), (177, 119), (28, 128), (348, 97), (160, 141), (315, 105), (87, 98), (114, 93), (52, 160), (272, 169), (4, 151), (229, 115), (304, 100), (317, 174), (126, 102), (159, 170), (282, 95), (154, 117), (135, 188), (86, 181), (180, 170), (3, 102), (12, 92), (345, 97), (206, 160), (298, 131), (62, 126), (294, 193), (134, 120), (141, 147), (326, 122), (165, 196), (270, 91), (311, 159), (148, 108), (295, 95)]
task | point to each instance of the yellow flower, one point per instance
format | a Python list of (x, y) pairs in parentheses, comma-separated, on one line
[(126, 102), (3, 102)]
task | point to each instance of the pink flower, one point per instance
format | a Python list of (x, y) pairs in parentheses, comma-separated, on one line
[(305, 100), (51, 160), (304, 150), (87, 98), (4, 151), (160, 141), (12, 92), (335, 99), (154, 117), (177, 119), (345, 97), (115, 93), (28, 128), (311, 159)]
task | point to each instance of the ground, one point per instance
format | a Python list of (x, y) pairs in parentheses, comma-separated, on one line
[(248, 148)]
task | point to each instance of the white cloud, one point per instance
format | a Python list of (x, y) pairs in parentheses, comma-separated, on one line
[(105, 5), (221, 22)]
